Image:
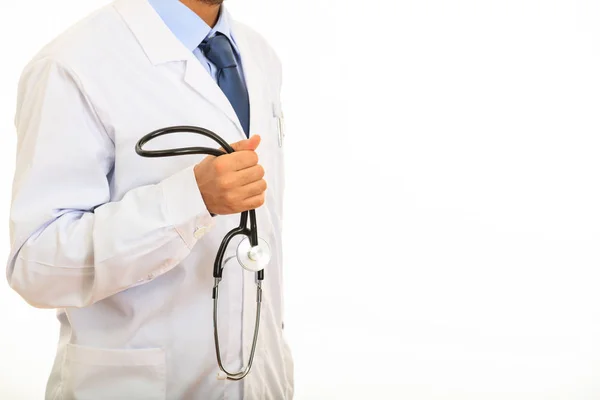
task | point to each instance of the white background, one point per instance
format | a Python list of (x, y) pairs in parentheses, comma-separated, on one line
[(443, 205)]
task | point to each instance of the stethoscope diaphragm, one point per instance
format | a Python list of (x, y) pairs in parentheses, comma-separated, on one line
[(253, 258)]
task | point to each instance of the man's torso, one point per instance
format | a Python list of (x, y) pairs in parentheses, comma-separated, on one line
[(155, 340)]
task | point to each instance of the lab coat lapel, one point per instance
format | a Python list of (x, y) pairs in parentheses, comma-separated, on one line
[(198, 78), (161, 46)]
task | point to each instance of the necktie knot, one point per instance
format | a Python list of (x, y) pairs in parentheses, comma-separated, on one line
[(218, 50)]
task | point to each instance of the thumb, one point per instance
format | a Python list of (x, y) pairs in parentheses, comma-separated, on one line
[(247, 144)]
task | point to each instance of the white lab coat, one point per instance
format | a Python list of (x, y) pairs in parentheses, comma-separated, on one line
[(122, 245)]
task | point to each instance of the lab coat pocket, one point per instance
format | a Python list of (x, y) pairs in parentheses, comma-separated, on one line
[(99, 374)]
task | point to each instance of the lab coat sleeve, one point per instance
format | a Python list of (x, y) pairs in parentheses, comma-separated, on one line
[(70, 245)]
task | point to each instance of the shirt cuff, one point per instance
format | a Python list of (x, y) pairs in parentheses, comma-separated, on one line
[(184, 206)]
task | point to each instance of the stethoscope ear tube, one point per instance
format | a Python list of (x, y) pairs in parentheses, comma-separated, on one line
[(181, 151)]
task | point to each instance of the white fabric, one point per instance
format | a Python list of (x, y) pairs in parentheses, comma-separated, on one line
[(122, 245)]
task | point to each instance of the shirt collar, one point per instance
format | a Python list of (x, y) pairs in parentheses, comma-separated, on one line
[(187, 26)]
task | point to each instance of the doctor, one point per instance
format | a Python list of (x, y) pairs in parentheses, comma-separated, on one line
[(123, 246)]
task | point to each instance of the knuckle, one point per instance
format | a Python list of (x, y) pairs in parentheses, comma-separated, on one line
[(230, 199), (252, 158), (220, 165), (222, 183), (225, 183), (239, 157), (261, 170), (260, 200)]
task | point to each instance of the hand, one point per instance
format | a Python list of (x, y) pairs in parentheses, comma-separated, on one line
[(232, 183)]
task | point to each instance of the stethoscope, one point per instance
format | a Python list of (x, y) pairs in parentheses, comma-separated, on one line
[(253, 253)]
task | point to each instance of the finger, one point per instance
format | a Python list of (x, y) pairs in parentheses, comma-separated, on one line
[(254, 202), (249, 175), (240, 160), (250, 144), (253, 189)]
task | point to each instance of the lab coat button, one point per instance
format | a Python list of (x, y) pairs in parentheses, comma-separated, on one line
[(199, 232)]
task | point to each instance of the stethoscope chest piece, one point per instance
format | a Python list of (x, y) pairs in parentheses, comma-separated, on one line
[(253, 258)]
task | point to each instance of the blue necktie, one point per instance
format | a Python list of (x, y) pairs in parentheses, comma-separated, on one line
[(218, 50)]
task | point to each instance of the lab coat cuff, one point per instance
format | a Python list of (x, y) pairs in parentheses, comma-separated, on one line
[(184, 206)]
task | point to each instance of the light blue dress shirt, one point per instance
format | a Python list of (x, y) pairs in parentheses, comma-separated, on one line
[(191, 30)]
